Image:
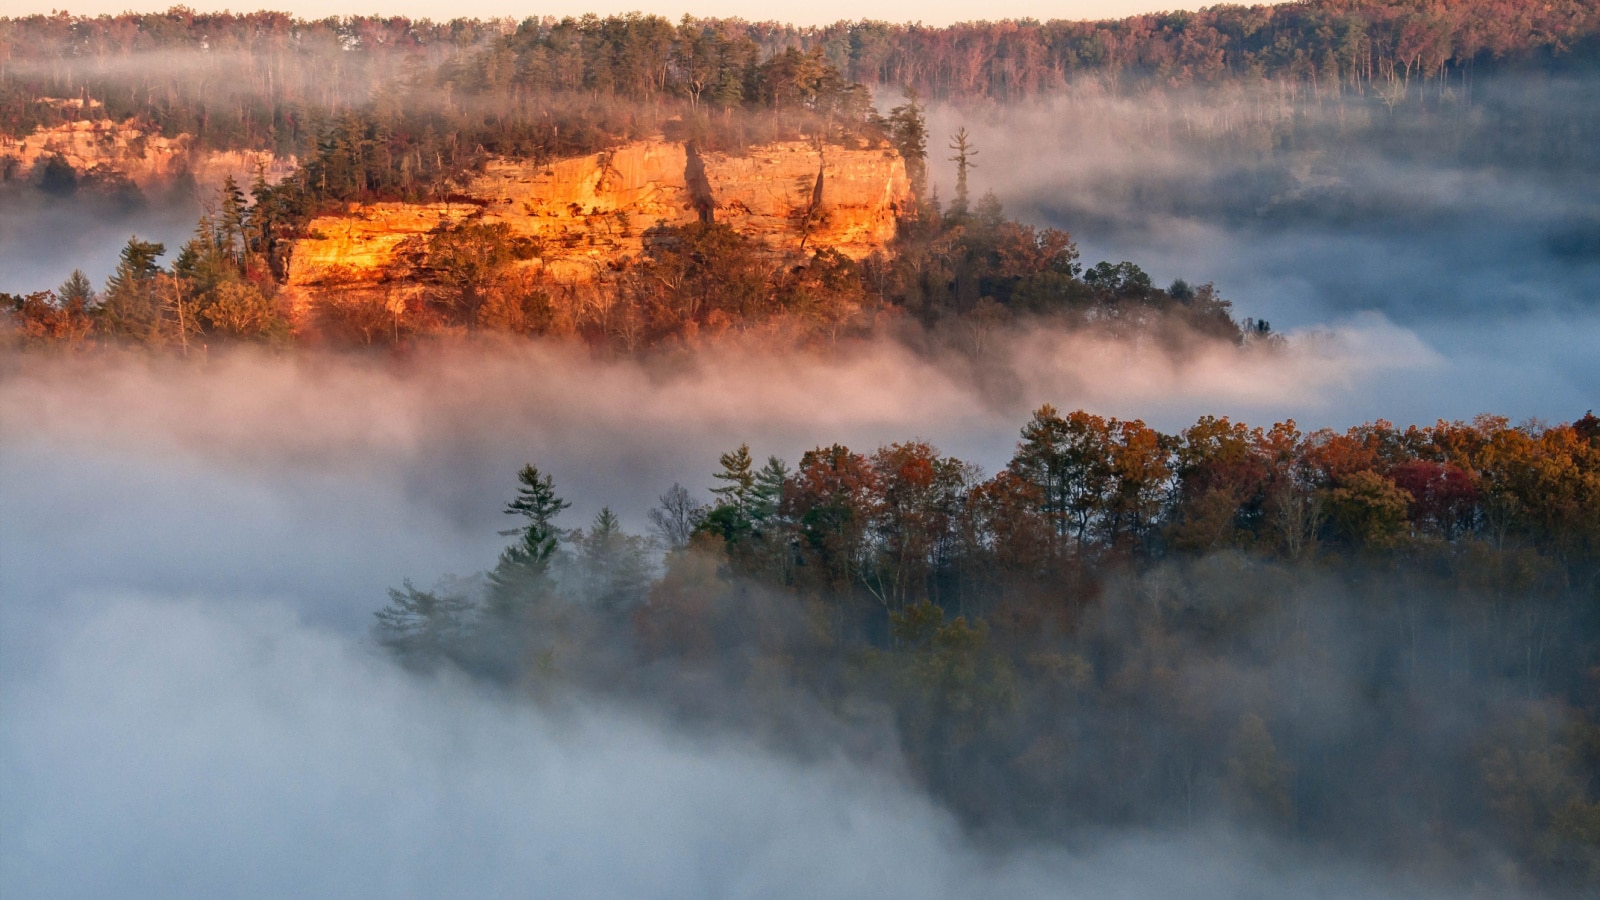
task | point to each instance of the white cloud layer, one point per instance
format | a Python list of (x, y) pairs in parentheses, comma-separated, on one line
[(180, 749)]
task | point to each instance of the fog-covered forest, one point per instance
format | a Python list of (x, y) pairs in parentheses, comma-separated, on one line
[(1189, 486), (1380, 639)]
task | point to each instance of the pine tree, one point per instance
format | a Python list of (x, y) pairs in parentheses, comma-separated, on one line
[(423, 628), (204, 260), (614, 564), (908, 128), (738, 477), (230, 222), (138, 265), (961, 142), (1069, 461), (766, 492), (730, 516), (76, 294), (258, 222), (522, 574), (131, 307), (989, 214)]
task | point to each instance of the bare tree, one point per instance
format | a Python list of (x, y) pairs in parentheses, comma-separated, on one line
[(677, 517)]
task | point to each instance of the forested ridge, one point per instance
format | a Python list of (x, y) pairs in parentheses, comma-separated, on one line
[(953, 275), (1326, 44), (1382, 639), (391, 109), (957, 262)]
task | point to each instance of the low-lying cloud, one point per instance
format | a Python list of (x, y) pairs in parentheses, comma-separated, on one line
[(44, 237), (186, 749), (1469, 231), (133, 455)]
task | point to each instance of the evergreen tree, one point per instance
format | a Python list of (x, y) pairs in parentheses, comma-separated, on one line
[(961, 143), (204, 261), (737, 477), (268, 205), (423, 628), (908, 129), (232, 211), (1068, 461), (989, 214), (76, 294), (131, 307), (615, 565), (766, 491), (730, 517), (138, 265), (521, 576)]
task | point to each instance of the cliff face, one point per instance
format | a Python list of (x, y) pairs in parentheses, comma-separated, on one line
[(587, 214), (364, 246), (145, 159)]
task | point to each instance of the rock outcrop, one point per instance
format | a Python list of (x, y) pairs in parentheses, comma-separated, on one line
[(146, 159), (364, 245), (587, 215)]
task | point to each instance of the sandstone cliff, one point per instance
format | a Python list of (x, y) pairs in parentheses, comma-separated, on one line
[(587, 215), (145, 159)]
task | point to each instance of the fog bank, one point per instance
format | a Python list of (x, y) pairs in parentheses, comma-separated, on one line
[(44, 237), (245, 739), (1464, 232), (184, 749), (325, 478)]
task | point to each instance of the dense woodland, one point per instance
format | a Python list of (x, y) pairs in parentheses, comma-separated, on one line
[(1382, 640)]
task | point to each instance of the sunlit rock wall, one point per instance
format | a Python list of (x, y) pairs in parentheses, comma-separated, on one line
[(146, 159), (588, 215)]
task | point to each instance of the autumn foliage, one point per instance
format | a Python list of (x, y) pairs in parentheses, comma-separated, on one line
[(1314, 634)]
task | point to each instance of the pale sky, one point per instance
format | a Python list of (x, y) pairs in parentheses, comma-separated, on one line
[(815, 12)]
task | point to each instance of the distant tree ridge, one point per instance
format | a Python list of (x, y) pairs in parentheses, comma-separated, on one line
[(282, 72)]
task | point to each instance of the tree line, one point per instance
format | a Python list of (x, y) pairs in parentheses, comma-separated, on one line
[(1339, 44), (220, 287), (265, 81), (1381, 639)]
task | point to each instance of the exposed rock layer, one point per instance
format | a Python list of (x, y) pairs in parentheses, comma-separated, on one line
[(144, 158), (588, 214)]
